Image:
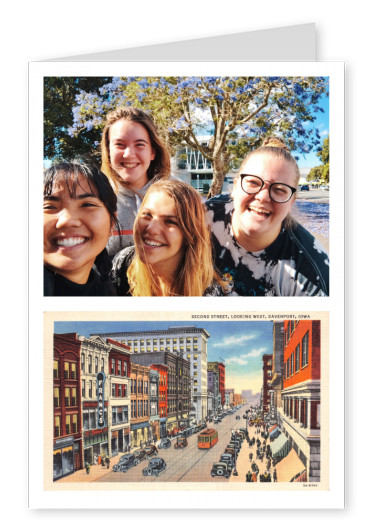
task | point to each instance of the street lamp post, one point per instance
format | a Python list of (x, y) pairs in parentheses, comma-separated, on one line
[(235, 473)]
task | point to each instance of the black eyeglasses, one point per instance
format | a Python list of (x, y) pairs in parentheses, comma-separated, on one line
[(279, 192)]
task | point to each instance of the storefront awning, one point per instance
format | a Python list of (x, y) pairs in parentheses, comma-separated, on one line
[(275, 432), (290, 467), (281, 446), (273, 428)]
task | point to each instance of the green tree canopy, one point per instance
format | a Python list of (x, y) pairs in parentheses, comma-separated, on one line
[(237, 112)]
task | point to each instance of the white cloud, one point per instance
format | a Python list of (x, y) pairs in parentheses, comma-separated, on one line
[(235, 340), (243, 359)]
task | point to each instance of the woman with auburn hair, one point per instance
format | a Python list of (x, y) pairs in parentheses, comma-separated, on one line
[(134, 157), (172, 255), (259, 247)]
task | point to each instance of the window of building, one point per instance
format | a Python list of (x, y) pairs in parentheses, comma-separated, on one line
[(73, 396), (102, 364), (83, 362), (113, 390), (57, 426), (297, 358), (96, 364), (83, 388), (74, 424), (56, 369), (67, 397), (67, 424), (90, 367), (305, 342), (66, 370), (56, 397), (90, 389)]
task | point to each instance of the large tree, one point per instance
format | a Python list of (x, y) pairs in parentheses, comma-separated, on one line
[(321, 172), (237, 112)]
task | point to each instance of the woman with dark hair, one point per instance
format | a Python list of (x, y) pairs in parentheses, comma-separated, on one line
[(172, 254), (79, 212), (259, 248), (134, 156)]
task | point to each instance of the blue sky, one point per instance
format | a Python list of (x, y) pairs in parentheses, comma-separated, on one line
[(241, 344)]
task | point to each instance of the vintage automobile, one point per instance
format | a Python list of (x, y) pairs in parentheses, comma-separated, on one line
[(230, 450), (164, 443), (126, 461), (155, 467), (220, 469), (139, 455), (181, 442), (150, 451), (228, 459)]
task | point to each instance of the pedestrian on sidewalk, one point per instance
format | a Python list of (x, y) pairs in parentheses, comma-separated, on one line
[(103, 462), (108, 462), (87, 467)]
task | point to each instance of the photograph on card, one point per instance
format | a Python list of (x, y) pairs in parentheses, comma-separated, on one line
[(230, 401), (186, 185)]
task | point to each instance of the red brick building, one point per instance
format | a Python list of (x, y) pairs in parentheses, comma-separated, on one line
[(301, 391), (67, 442), (163, 386)]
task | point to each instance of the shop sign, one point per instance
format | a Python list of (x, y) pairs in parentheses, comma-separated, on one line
[(101, 377)]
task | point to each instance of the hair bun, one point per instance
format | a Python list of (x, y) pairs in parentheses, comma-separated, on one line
[(273, 141)]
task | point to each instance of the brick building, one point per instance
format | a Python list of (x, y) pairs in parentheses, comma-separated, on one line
[(301, 392), (67, 440)]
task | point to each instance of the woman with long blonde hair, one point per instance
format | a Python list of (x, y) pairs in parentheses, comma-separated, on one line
[(172, 254)]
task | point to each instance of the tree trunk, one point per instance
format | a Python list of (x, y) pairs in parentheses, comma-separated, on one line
[(220, 168)]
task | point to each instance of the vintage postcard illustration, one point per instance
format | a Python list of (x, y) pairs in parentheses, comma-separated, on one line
[(205, 402)]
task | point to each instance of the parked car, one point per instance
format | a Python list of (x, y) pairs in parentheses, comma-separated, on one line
[(304, 187), (220, 469), (324, 187), (228, 459), (155, 467), (181, 442), (230, 450), (217, 420), (125, 462), (139, 455), (164, 443), (150, 451)]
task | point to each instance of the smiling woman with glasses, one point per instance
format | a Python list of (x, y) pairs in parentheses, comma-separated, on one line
[(259, 248)]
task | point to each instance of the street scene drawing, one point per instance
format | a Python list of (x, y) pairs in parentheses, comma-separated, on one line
[(188, 402)]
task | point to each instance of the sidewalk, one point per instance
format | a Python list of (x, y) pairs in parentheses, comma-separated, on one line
[(243, 464), (96, 471)]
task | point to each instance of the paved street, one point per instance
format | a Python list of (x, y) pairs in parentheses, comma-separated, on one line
[(189, 464)]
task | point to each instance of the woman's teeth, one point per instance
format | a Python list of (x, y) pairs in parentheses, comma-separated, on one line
[(69, 242)]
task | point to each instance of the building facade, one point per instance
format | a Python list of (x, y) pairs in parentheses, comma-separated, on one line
[(300, 412), (162, 399), (154, 404), (119, 418), (188, 342), (213, 387), (67, 440), (94, 361), (178, 398), (220, 369), (140, 412)]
